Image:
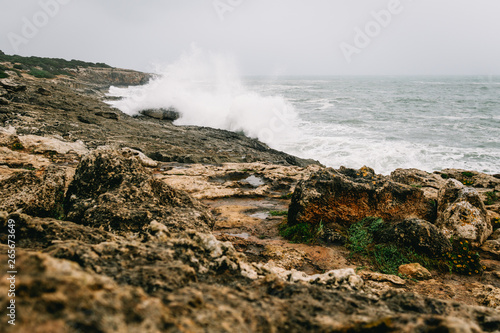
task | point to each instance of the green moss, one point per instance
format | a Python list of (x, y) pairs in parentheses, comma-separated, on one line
[(385, 257), (491, 198), (445, 176), (388, 258), (278, 212), (468, 182), (301, 233), (467, 174), (3, 75)]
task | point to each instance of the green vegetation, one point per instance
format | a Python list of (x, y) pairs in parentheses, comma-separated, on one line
[(41, 74), (278, 212), (3, 75), (388, 257), (445, 176), (287, 196), (468, 182), (385, 257), (301, 233), (463, 260), (467, 174), (17, 146), (360, 235), (491, 198), (496, 223), (46, 67)]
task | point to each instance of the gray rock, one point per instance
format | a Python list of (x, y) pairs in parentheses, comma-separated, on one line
[(461, 213), (421, 235), (169, 114)]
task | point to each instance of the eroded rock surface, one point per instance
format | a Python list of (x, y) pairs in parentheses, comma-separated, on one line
[(115, 192), (461, 213), (345, 196)]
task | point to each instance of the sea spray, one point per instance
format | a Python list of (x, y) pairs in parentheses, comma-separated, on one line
[(207, 91)]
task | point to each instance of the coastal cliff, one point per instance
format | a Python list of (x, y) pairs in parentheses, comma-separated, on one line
[(126, 224)]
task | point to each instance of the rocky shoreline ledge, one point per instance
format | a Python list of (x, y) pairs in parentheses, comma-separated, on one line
[(193, 229)]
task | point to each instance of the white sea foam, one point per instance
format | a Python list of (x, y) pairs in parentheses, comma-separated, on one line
[(207, 91), (384, 123)]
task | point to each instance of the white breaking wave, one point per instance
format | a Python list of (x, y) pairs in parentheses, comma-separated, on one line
[(207, 91)]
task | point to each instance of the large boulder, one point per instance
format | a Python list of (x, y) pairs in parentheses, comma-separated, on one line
[(341, 197), (418, 234), (461, 213), (116, 192)]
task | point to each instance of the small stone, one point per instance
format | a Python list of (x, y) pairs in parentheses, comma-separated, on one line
[(415, 271), (4, 101)]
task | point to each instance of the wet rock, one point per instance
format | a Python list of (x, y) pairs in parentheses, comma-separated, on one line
[(415, 271), (34, 193), (114, 192), (461, 213), (345, 196), (418, 234), (169, 114)]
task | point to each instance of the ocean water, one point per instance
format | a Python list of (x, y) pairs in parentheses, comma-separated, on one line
[(386, 122), (429, 123)]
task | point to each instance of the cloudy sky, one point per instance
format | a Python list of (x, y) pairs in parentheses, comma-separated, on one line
[(265, 37)]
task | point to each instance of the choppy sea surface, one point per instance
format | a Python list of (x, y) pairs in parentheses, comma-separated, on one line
[(385, 122), (429, 123)]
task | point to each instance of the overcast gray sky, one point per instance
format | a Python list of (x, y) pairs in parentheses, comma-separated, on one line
[(288, 37)]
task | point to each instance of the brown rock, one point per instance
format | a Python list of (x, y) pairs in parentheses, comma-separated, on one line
[(38, 193), (415, 271), (345, 196), (116, 192)]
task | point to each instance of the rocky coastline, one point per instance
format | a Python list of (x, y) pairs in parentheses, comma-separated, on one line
[(190, 229)]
